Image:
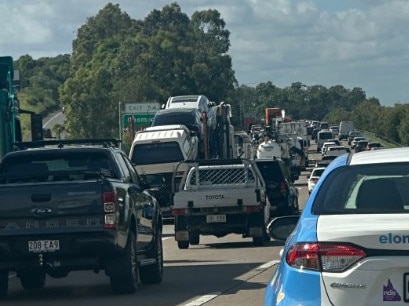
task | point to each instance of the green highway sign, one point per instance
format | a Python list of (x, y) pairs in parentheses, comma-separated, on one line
[(138, 119)]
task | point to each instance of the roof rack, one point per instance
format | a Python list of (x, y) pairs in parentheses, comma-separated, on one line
[(105, 142)]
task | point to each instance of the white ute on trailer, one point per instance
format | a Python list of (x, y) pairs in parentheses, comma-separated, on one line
[(155, 153)]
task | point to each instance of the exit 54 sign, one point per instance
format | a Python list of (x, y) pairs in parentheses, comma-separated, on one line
[(138, 119), (141, 113)]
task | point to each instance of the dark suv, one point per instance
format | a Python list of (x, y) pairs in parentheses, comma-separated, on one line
[(281, 192), (190, 117)]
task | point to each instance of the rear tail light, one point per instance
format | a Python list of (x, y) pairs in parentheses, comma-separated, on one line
[(324, 257), (179, 211), (180, 173), (253, 208), (314, 179), (110, 209), (283, 188)]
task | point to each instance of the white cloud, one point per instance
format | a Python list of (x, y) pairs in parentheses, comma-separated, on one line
[(327, 42)]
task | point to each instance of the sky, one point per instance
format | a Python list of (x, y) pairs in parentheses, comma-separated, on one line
[(353, 43)]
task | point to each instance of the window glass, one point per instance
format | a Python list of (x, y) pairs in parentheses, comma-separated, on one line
[(130, 169), (371, 188), (156, 153)]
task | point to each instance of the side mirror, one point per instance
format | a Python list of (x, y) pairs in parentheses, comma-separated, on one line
[(282, 227)]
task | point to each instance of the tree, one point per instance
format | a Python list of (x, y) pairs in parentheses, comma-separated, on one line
[(88, 92)]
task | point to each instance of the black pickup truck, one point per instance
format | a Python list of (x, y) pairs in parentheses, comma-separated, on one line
[(77, 205)]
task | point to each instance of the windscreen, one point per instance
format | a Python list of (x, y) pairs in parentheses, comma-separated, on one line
[(325, 135), (56, 166), (371, 188), (173, 118), (270, 171), (156, 153)]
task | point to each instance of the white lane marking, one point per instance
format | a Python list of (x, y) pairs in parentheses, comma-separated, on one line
[(267, 265), (206, 298), (203, 299), (51, 119)]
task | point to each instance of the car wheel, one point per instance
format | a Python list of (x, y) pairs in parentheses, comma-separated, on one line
[(4, 283), (258, 241), (183, 244), (194, 238), (124, 278), (32, 279), (153, 274)]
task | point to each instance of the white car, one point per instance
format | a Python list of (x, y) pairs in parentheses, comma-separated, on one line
[(336, 150), (312, 179), (355, 141), (325, 146), (350, 245)]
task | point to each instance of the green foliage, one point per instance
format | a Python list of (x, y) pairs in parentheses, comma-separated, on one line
[(167, 54)]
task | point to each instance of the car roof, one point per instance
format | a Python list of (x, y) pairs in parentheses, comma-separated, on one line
[(391, 155), (176, 110), (317, 169), (166, 127), (335, 148)]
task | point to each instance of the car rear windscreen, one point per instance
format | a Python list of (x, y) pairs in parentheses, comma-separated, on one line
[(173, 118), (156, 153), (365, 189)]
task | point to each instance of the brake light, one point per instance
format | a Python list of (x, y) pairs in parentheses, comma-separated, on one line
[(179, 211), (324, 257), (180, 173), (314, 179), (110, 209), (283, 188), (253, 208)]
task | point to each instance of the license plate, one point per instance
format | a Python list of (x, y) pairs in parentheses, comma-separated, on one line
[(216, 218), (43, 245)]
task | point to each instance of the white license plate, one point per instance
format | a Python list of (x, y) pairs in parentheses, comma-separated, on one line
[(216, 218), (43, 245)]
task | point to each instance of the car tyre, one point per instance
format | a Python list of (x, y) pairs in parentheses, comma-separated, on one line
[(32, 279), (153, 274), (259, 240), (183, 244), (194, 238), (124, 279), (4, 283)]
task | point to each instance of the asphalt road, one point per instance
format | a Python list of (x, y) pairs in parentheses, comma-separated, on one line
[(53, 119)]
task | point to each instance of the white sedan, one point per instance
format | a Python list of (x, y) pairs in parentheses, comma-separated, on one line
[(312, 179)]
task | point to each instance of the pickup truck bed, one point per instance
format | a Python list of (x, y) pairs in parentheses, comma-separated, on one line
[(220, 197)]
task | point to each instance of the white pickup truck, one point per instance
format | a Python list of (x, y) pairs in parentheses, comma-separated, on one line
[(220, 197)]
